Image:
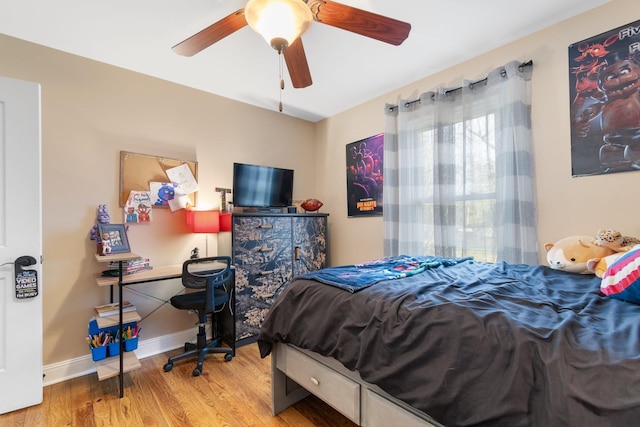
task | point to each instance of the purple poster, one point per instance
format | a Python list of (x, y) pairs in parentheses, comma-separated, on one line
[(364, 176)]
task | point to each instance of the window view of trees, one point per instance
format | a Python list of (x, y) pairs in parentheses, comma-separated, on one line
[(460, 177)]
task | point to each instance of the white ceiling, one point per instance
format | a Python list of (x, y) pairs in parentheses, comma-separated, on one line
[(347, 69)]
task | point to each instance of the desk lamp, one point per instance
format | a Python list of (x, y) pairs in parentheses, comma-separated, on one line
[(225, 221), (204, 222)]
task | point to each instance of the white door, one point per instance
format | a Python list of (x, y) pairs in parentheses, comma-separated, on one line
[(20, 236)]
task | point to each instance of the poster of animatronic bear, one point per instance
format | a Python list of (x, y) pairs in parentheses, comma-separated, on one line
[(604, 78)]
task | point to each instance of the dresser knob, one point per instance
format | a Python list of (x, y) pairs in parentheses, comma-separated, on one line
[(314, 381)]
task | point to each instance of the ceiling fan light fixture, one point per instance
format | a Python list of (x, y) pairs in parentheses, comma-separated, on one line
[(279, 22)]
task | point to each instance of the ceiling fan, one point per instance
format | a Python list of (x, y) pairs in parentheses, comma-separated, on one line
[(327, 12)]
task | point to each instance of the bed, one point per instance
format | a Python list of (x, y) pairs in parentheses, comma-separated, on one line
[(456, 343)]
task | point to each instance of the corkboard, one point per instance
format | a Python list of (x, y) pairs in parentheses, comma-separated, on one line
[(137, 170)]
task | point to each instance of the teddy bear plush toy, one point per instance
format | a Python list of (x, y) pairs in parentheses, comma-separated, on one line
[(572, 254)]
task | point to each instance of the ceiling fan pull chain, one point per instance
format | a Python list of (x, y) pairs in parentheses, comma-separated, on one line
[(281, 79)]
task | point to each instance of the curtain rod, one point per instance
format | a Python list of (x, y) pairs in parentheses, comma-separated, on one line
[(520, 67)]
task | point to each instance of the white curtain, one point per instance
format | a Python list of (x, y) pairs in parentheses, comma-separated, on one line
[(458, 171)]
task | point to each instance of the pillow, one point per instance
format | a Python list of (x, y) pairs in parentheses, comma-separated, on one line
[(621, 280)]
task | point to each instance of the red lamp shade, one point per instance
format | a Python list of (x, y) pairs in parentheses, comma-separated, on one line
[(204, 221), (225, 221)]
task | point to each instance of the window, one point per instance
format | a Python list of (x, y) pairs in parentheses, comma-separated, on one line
[(471, 203), (458, 172)]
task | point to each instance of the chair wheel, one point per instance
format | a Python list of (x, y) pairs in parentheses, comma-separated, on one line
[(228, 357), (196, 372), (168, 367)]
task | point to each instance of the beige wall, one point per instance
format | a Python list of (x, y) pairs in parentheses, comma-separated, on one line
[(566, 205), (91, 111)]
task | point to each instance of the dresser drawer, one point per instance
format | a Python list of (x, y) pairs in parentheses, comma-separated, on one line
[(339, 392), (266, 281), (263, 251), (260, 228)]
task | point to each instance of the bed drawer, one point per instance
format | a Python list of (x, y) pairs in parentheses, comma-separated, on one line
[(380, 412), (339, 392)]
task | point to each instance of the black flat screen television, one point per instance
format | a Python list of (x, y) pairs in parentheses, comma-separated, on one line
[(257, 186)]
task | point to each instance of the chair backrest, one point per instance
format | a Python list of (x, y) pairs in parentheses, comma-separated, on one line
[(196, 274)]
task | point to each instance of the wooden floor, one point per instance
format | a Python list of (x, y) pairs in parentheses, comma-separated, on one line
[(235, 393)]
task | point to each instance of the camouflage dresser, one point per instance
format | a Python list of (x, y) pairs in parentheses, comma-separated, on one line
[(269, 250)]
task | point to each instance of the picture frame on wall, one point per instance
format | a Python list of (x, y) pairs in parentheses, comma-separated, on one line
[(364, 176), (604, 83), (113, 239)]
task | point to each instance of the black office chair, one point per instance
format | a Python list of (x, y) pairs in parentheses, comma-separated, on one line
[(210, 301)]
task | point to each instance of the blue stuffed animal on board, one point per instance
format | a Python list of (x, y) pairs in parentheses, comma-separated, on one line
[(166, 193)]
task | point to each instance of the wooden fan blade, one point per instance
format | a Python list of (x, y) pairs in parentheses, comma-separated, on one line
[(211, 34), (297, 64), (360, 21)]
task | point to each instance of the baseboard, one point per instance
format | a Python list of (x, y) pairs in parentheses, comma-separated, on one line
[(73, 368)]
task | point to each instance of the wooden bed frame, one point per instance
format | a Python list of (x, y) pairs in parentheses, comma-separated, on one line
[(296, 373)]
